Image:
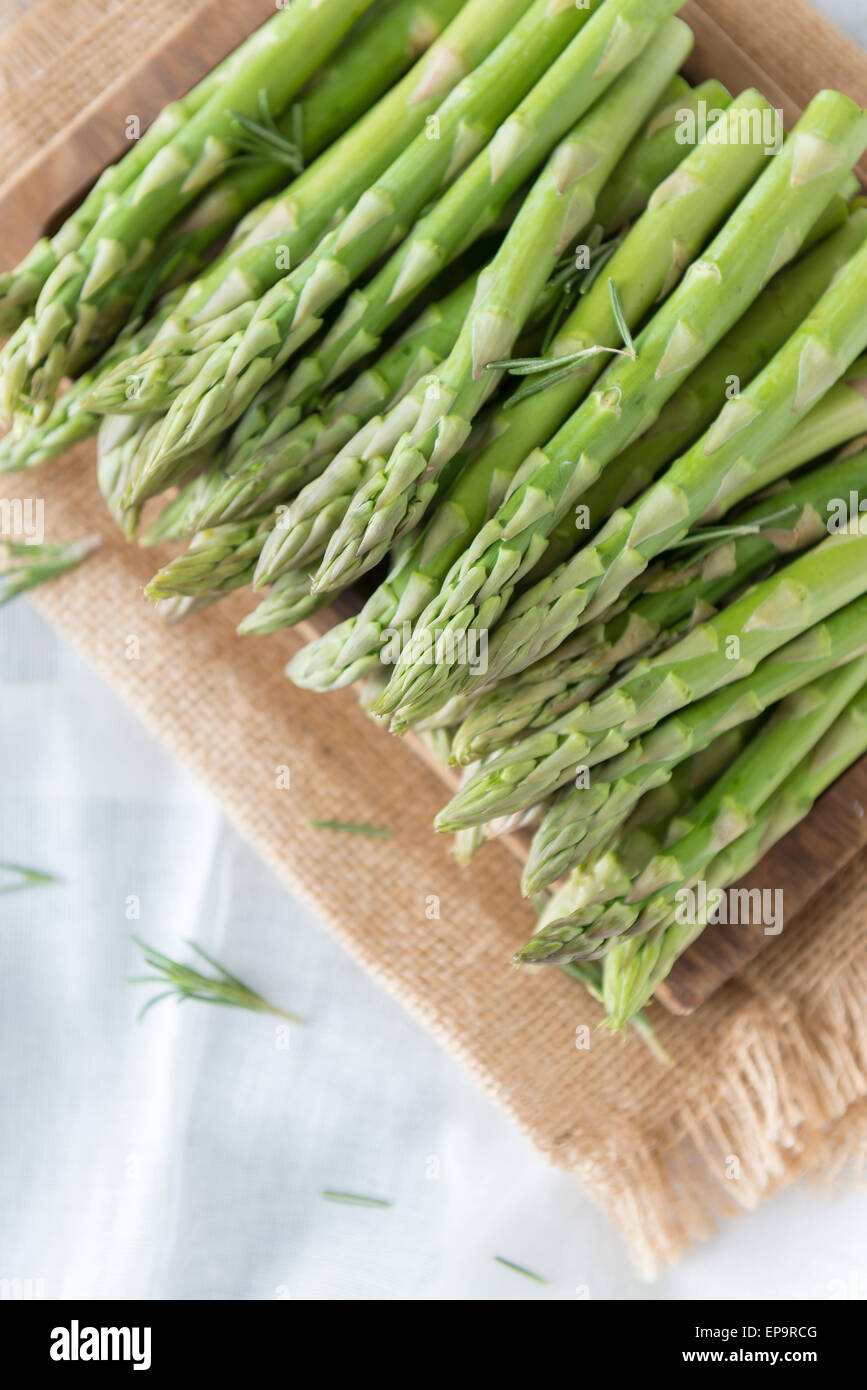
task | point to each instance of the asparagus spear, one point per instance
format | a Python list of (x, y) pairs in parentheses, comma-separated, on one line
[(287, 602), (217, 560), (655, 154), (715, 653), (24, 566), (840, 418), (724, 460), (658, 818), (584, 818), (386, 199), (373, 57), (635, 968), (289, 51), (266, 461), (763, 234), (671, 601), (741, 355), (683, 212), (558, 208), (727, 810), (287, 314)]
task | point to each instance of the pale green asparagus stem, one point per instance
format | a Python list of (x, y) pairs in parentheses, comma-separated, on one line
[(725, 460)]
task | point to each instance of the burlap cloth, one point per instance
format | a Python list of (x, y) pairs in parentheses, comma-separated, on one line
[(773, 1071)]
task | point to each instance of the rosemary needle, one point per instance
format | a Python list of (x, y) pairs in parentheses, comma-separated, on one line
[(350, 1199), (519, 1269), (378, 832), (24, 878), (185, 982)]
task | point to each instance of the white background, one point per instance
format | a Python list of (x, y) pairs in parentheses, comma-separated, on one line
[(184, 1157)]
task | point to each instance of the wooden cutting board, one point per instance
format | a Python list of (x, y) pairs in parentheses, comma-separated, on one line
[(49, 185)]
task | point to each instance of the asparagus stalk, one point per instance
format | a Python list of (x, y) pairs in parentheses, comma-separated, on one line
[(287, 315), (655, 154), (683, 213), (374, 56), (727, 810), (289, 51), (715, 653), (840, 418), (298, 218), (764, 233), (671, 601), (287, 602), (584, 818), (559, 206), (741, 355), (635, 968), (266, 462)]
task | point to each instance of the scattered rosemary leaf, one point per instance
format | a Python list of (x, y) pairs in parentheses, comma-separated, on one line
[(26, 878), (621, 319), (519, 1269), (377, 832), (350, 1199), (711, 535), (185, 982), (258, 140)]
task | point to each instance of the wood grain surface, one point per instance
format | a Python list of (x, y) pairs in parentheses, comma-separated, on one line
[(804, 863)]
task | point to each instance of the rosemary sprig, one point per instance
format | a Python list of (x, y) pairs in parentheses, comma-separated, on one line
[(185, 982), (262, 140), (377, 832), (24, 878), (553, 370), (710, 536), (519, 1269), (24, 566), (620, 318), (350, 1199), (570, 282)]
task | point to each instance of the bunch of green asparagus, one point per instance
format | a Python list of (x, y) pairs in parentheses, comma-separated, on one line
[(483, 302)]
